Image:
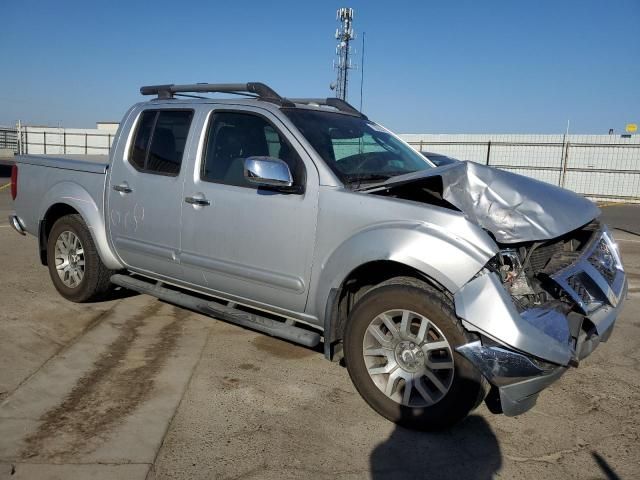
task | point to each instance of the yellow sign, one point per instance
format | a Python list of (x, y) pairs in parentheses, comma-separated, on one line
[(631, 128)]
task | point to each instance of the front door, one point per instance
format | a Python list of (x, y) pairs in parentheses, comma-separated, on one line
[(239, 240), (145, 192)]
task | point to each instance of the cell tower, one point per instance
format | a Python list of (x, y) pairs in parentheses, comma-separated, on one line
[(344, 35)]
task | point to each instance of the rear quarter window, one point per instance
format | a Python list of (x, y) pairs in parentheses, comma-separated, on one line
[(160, 140), (141, 139)]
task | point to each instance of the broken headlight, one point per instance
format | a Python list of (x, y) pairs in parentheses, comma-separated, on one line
[(512, 273), (511, 265)]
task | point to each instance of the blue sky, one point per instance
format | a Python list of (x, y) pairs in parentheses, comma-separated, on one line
[(432, 67)]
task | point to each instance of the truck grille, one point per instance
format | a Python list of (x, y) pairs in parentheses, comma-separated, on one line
[(558, 254), (596, 277), (541, 255), (583, 287)]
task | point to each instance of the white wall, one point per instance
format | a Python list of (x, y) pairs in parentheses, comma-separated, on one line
[(91, 141), (599, 166)]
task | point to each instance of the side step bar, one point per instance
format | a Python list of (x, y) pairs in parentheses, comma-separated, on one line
[(218, 310)]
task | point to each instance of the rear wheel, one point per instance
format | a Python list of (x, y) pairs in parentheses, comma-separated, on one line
[(75, 267), (400, 346)]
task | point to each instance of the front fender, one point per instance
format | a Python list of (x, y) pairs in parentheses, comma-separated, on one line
[(72, 194), (447, 259)]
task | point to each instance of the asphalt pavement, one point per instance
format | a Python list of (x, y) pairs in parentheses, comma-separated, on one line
[(138, 388), (622, 217)]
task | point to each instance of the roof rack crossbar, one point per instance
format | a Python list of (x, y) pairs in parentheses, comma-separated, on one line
[(334, 102), (257, 89), (166, 91)]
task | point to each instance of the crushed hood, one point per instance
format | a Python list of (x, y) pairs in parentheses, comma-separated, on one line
[(512, 207)]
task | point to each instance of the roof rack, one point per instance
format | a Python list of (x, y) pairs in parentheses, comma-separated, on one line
[(252, 89), (334, 102), (258, 89)]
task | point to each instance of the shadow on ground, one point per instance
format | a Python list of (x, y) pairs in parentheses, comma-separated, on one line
[(469, 450), (119, 293), (607, 470)]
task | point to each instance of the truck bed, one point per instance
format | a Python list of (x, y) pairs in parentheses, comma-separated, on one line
[(80, 163), (43, 180)]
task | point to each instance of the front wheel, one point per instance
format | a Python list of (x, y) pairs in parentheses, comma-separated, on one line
[(400, 352), (75, 267)]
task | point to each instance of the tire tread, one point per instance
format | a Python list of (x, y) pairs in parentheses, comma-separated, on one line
[(97, 283), (475, 386)]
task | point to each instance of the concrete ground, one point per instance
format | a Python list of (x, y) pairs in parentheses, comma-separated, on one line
[(136, 388)]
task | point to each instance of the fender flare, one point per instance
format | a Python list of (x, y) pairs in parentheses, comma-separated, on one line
[(445, 258), (75, 196)]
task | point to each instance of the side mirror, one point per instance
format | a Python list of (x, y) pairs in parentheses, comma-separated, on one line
[(268, 172)]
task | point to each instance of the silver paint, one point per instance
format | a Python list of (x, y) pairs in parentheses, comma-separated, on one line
[(286, 253), (485, 306), (512, 207)]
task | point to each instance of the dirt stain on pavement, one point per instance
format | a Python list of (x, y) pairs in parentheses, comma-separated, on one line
[(119, 381), (230, 383), (248, 366), (280, 348)]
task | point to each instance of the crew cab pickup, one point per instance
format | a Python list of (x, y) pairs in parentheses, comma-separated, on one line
[(300, 218)]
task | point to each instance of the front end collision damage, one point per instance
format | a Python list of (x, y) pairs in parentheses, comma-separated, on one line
[(532, 322), (514, 208), (518, 377), (422, 247), (521, 352), (420, 237)]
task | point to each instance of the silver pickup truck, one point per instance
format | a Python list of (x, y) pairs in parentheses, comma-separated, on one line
[(438, 287)]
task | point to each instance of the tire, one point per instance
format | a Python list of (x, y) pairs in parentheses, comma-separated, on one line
[(436, 400), (94, 281)]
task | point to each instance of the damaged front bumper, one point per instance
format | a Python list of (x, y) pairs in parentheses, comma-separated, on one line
[(522, 352)]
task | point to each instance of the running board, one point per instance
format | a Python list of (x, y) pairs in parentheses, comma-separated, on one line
[(218, 310)]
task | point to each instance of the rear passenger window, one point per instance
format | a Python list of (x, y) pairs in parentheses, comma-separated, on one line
[(141, 142), (160, 139)]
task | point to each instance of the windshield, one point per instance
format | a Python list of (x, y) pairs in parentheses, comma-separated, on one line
[(357, 150), (439, 160)]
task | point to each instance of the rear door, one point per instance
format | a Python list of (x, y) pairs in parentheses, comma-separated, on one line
[(243, 241), (145, 191)]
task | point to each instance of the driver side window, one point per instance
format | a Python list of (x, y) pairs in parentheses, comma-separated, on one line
[(232, 137)]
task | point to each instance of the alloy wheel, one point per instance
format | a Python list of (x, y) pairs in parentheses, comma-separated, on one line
[(69, 258), (408, 358)]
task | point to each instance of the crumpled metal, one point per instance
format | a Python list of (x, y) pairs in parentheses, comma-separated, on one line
[(514, 208)]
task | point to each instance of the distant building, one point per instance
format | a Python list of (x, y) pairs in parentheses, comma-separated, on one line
[(107, 127)]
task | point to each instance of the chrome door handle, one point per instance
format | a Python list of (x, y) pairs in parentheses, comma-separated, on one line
[(201, 202), (122, 188)]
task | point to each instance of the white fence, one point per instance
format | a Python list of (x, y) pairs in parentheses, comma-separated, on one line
[(598, 166), (61, 141), (602, 167)]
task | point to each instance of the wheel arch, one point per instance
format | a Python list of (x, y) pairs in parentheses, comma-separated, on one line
[(55, 212), (69, 198), (386, 251), (355, 285)]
